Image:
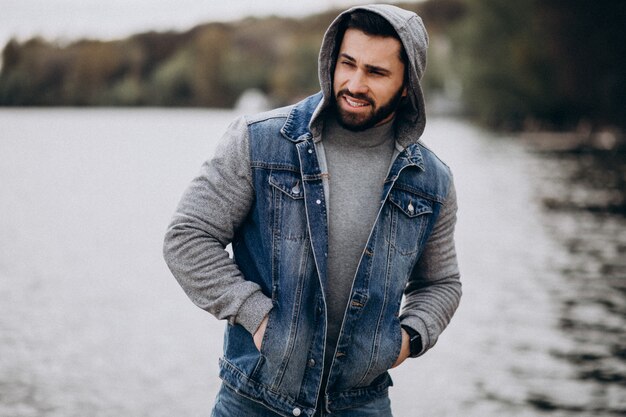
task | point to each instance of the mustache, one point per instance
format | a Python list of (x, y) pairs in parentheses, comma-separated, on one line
[(359, 96)]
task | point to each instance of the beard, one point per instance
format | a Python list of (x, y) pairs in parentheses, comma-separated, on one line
[(361, 122)]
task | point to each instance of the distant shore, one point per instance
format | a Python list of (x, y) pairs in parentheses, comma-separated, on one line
[(596, 163), (581, 140)]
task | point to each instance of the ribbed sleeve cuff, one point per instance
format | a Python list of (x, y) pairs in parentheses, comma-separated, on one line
[(253, 310), (418, 325)]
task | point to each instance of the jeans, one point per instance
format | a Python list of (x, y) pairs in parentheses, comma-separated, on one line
[(230, 404)]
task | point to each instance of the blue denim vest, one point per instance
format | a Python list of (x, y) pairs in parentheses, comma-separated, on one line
[(282, 246)]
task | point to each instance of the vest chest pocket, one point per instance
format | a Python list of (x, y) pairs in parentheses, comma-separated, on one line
[(288, 201), (288, 182), (411, 218), (410, 204)]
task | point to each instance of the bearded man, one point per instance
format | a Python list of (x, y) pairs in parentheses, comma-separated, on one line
[(336, 213)]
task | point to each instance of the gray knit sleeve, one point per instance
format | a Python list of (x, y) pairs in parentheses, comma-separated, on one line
[(434, 290), (214, 205)]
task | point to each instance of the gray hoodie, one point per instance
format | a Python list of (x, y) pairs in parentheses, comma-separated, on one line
[(411, 121)]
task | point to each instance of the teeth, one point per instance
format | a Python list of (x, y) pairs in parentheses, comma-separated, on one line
[(354, 103)]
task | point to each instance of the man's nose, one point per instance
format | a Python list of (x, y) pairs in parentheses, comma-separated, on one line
[(357, 83)]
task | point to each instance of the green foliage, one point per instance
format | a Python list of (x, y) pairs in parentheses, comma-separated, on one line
[(497, 61), (296, 75), (34, 72), (126, 92), (209, 65), (171, 83), (549, 62)]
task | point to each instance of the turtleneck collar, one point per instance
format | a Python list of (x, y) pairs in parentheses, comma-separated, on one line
[(368, 138)]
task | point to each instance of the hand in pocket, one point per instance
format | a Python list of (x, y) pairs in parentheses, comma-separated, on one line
[(260, 332), (405, 350)]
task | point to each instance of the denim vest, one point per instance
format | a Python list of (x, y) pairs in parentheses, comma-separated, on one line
[(282, 246)]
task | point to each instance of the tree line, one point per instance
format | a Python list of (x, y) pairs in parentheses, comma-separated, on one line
[(552, 62), (549, 62)]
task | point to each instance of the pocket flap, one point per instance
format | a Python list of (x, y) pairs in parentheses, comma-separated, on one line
[(409, 203), (288, 182)]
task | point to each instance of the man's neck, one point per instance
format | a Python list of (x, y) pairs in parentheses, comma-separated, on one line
[(371, 137)]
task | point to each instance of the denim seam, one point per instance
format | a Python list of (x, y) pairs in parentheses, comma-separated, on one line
[(293, 328)]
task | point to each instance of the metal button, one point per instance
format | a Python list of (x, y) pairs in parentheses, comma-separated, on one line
[(318, 201), (296, 189), (310, 150), (296, 412), (311, 363), (411, 208)]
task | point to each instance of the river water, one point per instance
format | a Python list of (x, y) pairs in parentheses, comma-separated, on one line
[(93, 324)]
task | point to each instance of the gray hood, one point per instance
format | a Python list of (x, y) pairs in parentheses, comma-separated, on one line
[(411, 120)]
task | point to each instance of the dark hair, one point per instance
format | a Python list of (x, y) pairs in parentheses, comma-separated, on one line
[(372, 24)]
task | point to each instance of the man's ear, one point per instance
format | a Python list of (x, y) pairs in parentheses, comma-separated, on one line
[(404, 92)]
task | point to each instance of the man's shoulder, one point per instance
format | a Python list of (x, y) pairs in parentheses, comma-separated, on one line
[(289, 122), (305, 107), (280, 113), (430, 157), (433, 177)]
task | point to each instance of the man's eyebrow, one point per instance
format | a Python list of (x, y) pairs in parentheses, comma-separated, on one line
[(346, 56), (379, 70), (371, 68)]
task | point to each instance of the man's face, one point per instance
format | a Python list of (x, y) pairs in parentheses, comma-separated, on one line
[(368, 82)]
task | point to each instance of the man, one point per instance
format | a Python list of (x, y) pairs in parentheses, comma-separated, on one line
[(334, 210)]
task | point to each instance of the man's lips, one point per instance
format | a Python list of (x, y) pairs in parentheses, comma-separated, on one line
[(355, 102)]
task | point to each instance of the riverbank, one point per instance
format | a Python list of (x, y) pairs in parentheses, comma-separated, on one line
[(594, 164), (580, 140)]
